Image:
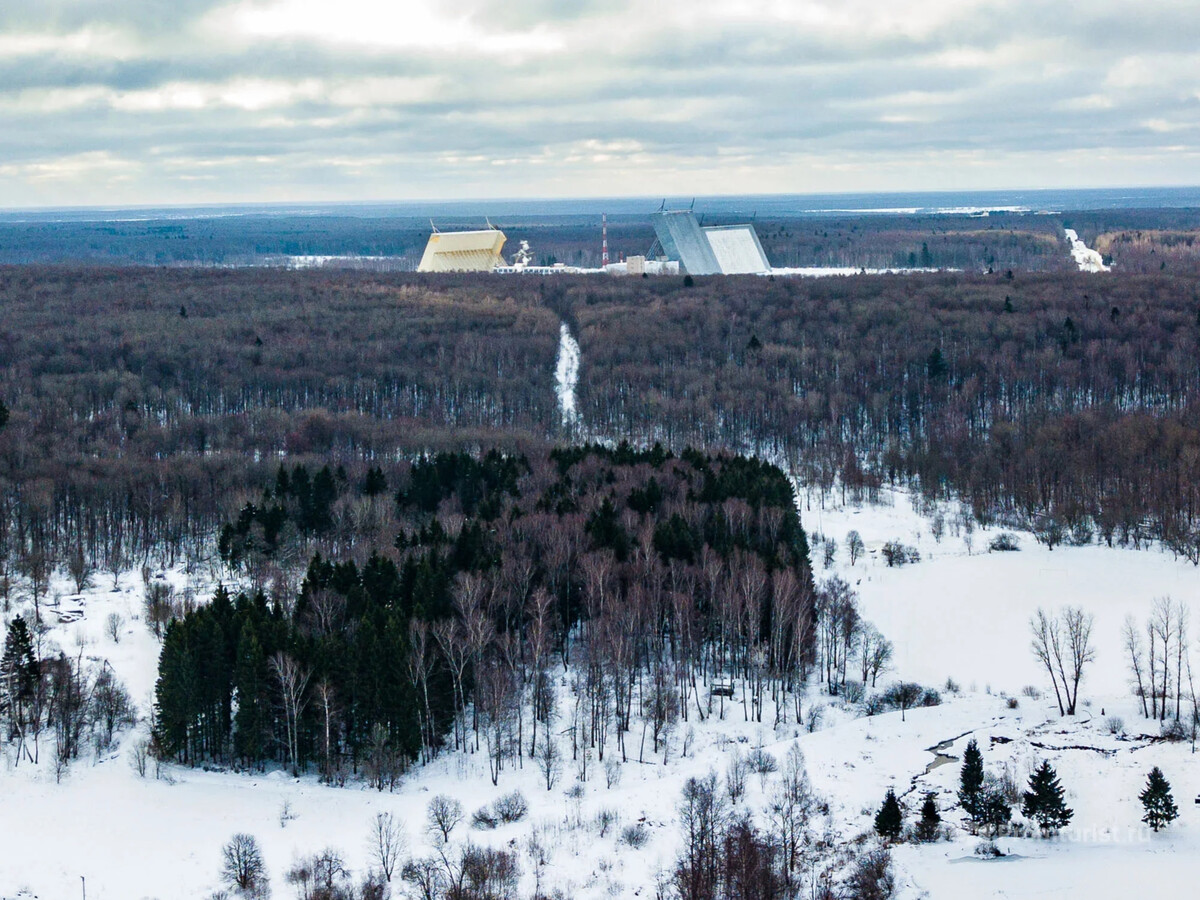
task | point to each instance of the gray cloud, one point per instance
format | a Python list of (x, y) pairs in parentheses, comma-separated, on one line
[(121, 102)]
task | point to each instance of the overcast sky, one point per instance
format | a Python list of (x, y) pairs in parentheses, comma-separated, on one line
[(184, 101)]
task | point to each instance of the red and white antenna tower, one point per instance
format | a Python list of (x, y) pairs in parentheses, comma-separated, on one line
[(603, 239)]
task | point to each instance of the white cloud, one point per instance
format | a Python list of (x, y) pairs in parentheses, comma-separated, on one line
[(401, 24), (357, 99)]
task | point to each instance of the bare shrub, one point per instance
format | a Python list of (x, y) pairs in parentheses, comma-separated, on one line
[(113, 625), (605, 820), (735, 776), (484, 819), (511, 807), (488, 872), (612, 772), (141, 754), (761, 762), (635, 835), (1004, 542), (871, 877)]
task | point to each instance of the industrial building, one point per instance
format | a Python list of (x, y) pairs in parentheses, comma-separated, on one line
[(463, 251), (716, 250)]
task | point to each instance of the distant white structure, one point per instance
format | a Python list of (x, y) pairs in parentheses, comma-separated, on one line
[(737, 250), (717, 250), (463, 251)]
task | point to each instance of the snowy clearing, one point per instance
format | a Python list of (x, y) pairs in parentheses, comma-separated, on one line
[(1087, 259), (566, 376), (958, 612)]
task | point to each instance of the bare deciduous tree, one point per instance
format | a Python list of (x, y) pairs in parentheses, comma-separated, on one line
[(242, 866), (1062, 644), (386, 843), (442, 816), (293, 686)]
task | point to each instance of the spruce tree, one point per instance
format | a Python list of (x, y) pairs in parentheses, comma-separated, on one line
[(251, 680), (889, 820), (931, 819), (1157, 801), (18, 673), (970, 781), (992, 811), (1043, 801)]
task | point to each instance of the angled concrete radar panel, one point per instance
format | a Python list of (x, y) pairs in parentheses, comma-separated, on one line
[(682, 239), (463, 251), (737, 250)]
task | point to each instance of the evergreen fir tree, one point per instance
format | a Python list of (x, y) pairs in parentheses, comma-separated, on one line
[(1043, 801), (970, 780), (993, 811), (18, 673), (1157, 801), (251, 679), (931, 819), (889, 820)]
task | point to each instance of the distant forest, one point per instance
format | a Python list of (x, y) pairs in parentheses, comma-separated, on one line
[(145, 408), (1134, 240)]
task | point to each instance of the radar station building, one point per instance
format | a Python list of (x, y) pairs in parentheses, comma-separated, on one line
[(716, 250), (463, 251)]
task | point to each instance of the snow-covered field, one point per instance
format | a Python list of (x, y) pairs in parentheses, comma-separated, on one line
[(955, 614)]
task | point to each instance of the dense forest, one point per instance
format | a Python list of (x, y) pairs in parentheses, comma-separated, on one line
[(1068, 402), (144, 408), (649, 574)]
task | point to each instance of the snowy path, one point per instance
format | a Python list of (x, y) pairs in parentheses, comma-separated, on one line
[(1087, 259), (566, 376)]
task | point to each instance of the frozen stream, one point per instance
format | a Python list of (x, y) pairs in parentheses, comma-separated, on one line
[(1087, 259), (566, 376)]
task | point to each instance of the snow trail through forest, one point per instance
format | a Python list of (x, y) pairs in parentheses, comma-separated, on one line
[(1087, 259), (566, 376)]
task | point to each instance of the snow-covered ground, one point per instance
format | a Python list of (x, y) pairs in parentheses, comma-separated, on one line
[(1087, 259), (566, 376), (957, 613), (833, 271)]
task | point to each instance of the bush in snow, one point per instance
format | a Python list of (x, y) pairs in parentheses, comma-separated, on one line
[(635, 835), (605, 820), (871, 877), (1004, 542), (761, 762), (735, 776), (988, 850), (1175, 730), (814, 717), (898, 554), (484, 819), (1115, 725), (612, 772), (511, 807)]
